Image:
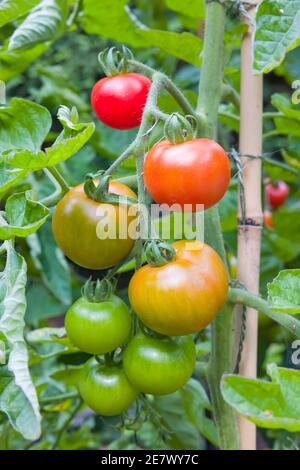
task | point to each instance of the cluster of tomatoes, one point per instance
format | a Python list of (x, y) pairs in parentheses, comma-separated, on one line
[(276, 195), (172, 300)]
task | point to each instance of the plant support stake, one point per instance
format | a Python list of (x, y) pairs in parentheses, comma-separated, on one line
[(249, 232)]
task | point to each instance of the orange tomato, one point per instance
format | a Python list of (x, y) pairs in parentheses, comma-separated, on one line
[(183, 296)]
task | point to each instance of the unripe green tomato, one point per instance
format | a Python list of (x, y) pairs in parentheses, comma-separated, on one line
[(159, 366), (106, 389), (98, 327)]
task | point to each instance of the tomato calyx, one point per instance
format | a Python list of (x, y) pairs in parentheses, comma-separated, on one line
[(180, 128), (100, 192), (114, 61), (159, 252), (100, 290)]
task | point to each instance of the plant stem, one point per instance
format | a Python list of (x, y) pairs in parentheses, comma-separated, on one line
[(241, 296), (59, 178), (210, 92), (67, 423), (229, 94), (273, 133)]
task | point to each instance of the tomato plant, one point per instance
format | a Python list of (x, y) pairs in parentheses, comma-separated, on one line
[(106, 390), (159, 366), (183, 296), (193, 172), (119, 101), (77, 220), (97, 257), (98, 327)]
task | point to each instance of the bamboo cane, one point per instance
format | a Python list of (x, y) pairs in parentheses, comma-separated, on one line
[(249, 235)]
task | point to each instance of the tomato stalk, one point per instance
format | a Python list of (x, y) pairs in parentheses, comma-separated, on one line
[(210, 93)]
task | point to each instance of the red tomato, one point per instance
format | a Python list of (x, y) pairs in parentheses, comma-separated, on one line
[(268, 219), (119, 101), (193, 172), (277, 194)]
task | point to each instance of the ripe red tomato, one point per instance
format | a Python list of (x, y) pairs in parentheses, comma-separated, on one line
[(98, 327), (277, 194), (119, 101), (193, 172), (183, 296), (77, 219), (106, 389), (268, 219), (159, 366)]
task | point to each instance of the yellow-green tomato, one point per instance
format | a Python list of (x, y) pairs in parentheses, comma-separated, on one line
[(106, 389), (159, 366), (98, 327)]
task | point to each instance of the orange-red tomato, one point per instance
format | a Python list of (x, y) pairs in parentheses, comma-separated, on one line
[(78, 221), (268, 219), (193, 172), (183, 296)]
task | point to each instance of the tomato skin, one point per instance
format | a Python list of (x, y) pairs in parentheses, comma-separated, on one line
[(183, 296), (119, 101), (268, 219), (277, 194), (106, 389), (192, 172), (98, 327), (159, 366), (75, 222)]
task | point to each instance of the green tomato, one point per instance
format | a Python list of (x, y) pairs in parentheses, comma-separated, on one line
[(106, 389), (159, 366), (98, 327)]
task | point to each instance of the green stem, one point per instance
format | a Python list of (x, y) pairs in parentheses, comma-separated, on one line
[(273, 133), (210, 93), (241, 296), (59, 179), (272, 115), (67, 423), (231, 95)]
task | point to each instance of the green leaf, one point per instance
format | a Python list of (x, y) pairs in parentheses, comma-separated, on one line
[(9, 176), (277, 170), (284, 292), (12, 9), (41, 304), (110, 19), (23, 125), (184, 46), (276, 33), (22, 217), (287, 222), (287, 126), (73, 137), (18, 396), (16, 62), (284, 104), (54, 269), (46, 22), (272, 405), (191, 8)]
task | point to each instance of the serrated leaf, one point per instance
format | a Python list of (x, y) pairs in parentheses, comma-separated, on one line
[(276, 33), (184, 46), (12, 9), (73, 137), (18, 396), (191, 8), (271, 405), (22, 217), (284, 292), (46, 22)]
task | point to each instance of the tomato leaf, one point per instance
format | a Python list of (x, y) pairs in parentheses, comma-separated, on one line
[(282, 222), (22, 217), (14, 63), (272, 405), (73, 137), (18, 396), (9, 176), (284, 292), (276, 33), (46, 22), (12, 9)]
